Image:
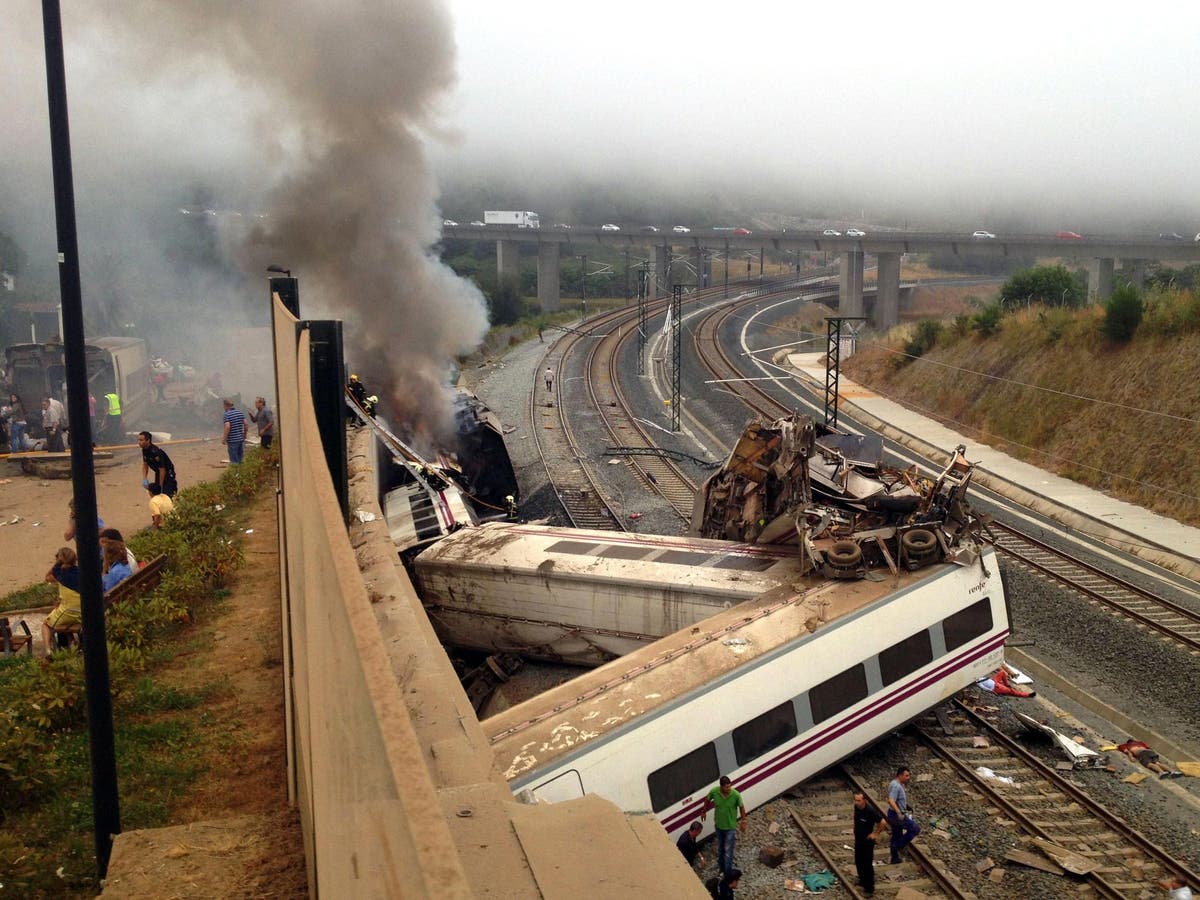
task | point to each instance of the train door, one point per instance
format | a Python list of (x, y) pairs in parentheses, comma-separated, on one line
[(567, 786)]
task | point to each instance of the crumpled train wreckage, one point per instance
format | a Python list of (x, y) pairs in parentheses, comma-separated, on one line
[(791, 482)]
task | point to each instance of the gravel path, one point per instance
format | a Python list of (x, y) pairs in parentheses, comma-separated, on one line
[(1153, 681)]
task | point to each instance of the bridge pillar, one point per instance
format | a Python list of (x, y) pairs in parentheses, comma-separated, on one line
[(850, 284), (508, 261), (662, 267), (548, 280), (1100, 280), (887, 295), (1134, 271)]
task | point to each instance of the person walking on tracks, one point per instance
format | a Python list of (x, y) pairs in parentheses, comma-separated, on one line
[(730, 816), (549, 379), (868, 826), (904, 827)]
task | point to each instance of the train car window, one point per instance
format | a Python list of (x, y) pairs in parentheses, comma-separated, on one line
[(906, 657), (576, 547), (683, 557), (616, 551), (840, 692), (764, 733), (744, 563), (684, 777), (967, 624)]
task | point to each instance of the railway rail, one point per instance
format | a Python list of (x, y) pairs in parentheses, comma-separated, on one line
[(557, 444), (821, 809), (1048, 807), (1173, 621)]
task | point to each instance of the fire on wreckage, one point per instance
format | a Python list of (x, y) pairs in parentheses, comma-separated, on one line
[(787, 482)]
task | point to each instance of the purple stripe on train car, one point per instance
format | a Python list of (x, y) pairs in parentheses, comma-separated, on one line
[(875, 708)]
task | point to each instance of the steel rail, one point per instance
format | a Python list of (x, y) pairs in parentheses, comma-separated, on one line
[(1104, 818), (1111, 591)]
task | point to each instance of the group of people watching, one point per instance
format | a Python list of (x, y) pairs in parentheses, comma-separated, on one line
[(234, 424), (118, 563), (14, 423)]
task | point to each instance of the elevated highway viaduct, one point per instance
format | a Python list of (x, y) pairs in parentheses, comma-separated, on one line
[(1102, 252)]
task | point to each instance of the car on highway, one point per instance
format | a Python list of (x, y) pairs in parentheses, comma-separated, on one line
[(742, 231), (562, 226), (1198, 236), (831, 232), (983, 234), (854, 232), (1069, 236), (650, 229), (449, 223), (683, 229), (477, 224), (1170, 236), (609, 226)]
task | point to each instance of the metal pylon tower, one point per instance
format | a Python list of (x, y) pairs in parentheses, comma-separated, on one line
[(833, 356), (643, 290), (676, 352)]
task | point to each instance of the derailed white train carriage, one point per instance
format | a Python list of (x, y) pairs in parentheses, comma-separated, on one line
[(769, 693), (584, 597)]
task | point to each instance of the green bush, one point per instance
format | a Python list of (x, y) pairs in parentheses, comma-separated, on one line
[(1049, 285), (1122, 314), (986, 322)]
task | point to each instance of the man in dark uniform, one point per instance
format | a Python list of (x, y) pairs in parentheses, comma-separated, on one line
[(154, 458), (688, 847), (868, 826)]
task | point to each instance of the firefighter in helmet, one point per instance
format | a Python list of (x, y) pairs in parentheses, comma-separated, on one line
[(510, 506)]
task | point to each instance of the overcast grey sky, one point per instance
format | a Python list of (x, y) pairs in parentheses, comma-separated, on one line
[(1080, 113)]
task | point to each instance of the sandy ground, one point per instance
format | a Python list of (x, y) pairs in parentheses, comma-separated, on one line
[(40, 504)]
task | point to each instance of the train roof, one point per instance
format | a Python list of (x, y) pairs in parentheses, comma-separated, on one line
[(532, 734), (743, 570)]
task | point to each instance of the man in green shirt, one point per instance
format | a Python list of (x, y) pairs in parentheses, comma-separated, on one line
[(729, 819)]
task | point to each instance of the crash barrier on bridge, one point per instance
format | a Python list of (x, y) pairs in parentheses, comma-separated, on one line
[(360, 784), (397, 788)]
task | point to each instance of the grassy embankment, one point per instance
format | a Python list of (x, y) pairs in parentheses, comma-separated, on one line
[(161, 732), (1049, 388)]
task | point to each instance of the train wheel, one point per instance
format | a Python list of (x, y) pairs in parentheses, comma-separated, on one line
[(919, 541), (844, 554)]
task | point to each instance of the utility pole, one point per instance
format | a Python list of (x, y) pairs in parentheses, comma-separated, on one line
[(643, 290), (106, 815), (676, 352), (583, 284)]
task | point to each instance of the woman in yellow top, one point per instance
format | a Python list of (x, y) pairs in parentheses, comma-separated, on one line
[(64, 573)]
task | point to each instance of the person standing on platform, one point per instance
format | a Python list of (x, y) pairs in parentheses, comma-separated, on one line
[(265, 420), (155, 459), (868, 826), (112, 427), (904, 827), (234, 436), (730, 816)]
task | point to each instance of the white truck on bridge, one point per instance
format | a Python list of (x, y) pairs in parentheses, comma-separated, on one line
[(511, 217)]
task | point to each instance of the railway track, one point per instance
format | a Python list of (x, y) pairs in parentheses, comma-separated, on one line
[(821, 809), (1047, 807), (658, 474), (1171, 620), (557, 444)]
